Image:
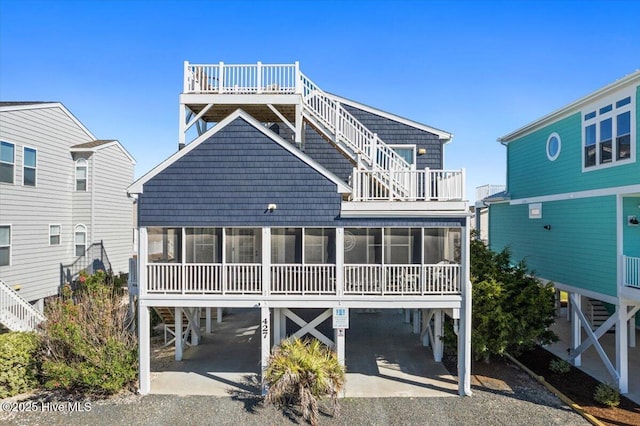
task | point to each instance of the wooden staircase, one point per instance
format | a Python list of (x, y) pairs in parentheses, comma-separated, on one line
[(597, 314)]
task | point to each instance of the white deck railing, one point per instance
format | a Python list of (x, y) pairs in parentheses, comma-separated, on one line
[(422, 185), (484, 191), (241, 79), (301, 280), (631, 271), (16, 313)]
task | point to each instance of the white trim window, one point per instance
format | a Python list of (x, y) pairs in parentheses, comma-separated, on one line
[(5, 245), (29, 165), (82, 169), (7, 162), (54, 235), (80, 239), (607, 131), (407, 152)]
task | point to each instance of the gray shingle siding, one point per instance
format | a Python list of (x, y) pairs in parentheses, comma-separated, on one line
[(229, 179)]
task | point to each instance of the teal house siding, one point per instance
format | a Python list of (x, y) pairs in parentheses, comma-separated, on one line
[(532, 174), (580, 247)]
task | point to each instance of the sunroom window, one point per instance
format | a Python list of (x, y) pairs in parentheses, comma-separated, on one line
[(203, 245), (286, 245), (164, 245), (320, 246), (363, 246), (442, 245)]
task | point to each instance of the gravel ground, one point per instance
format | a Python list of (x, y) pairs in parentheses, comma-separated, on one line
[(526, 405)]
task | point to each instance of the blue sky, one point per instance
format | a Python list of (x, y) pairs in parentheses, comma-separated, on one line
[(478, 69)]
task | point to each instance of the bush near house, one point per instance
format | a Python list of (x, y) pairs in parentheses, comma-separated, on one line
[(86, 345), (18, 364), (300, 372), (512, 310)]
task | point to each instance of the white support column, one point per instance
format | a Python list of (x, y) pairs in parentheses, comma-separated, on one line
[(142, 262), (277, 337), (219, 315), (632, 331), (340, 339), (266, 261), (464, 332), (144, 347), (416, 321), (178, 335), (438, 343), (425, 320), (208, 320), (265, 334), (283, 324), (182, 132), (622, 350), (340, 261), (575, 300), (195, 332), (407, 316)]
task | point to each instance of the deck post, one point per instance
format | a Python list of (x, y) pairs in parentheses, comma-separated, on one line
[(277, 327), (407, 316), (144, 342), (178, 335), (219, 315), (208, 320), (298, 124), (340, 262), (464, 331), (438, 343), (283, 324), (259, 77), (576, 333), (416, 321), (632, 331), (340, 340), (194, 317), (265, 333), (266, 261), (622, 350)]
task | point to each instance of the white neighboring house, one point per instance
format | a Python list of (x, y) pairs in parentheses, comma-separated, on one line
[(62, 198)]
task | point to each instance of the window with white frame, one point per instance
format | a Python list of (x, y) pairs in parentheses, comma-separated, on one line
[(81, 240), (7, 161), (81, 174), (286, 245), (407, 152), (29, 163), (402, 246), (320, 245), (54, 235), (607, 132), (203, 245), (5, 245)]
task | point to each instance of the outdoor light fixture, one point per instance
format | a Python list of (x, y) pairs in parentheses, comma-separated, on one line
[(422, 151), (271, 207), (547, 227)]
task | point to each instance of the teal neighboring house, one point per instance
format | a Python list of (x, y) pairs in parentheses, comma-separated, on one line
[(571, 210)]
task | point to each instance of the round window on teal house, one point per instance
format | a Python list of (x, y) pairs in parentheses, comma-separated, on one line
[(553, 146)]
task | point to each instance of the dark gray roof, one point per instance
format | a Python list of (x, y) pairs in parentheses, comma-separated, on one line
[(93, 144), (19, 103), (498, 196)]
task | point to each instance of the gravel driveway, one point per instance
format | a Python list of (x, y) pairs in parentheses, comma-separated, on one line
[(524, 405)]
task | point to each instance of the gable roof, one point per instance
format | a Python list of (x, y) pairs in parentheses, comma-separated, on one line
[(573, 107), (26, 105), (137, 186), (98, 144), (443, 135)]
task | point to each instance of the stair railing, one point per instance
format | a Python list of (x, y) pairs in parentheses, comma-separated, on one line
[(18, 309)]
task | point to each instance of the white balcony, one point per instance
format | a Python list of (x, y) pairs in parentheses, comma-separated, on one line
[(631, 271), (303, 280)]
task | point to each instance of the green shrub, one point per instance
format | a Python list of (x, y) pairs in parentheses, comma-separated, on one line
[(512, 311), (18, 366), (301, 372), (86, 344), (607, 395), (559, 366)]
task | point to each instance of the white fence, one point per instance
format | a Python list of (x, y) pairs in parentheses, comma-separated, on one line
[(420, 185), (241, 79), (296, 279), (16, 313), (484, 191), (631, 271)]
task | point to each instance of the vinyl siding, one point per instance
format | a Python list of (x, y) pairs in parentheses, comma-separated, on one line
[(530, 173), (579, 250), (113, 209), (631, 234), (35, 265), (229, 179)]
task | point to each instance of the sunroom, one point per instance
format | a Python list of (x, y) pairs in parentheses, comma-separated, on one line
[(307, 261)]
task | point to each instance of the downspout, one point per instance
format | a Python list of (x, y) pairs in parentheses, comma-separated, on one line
[(93, 192)]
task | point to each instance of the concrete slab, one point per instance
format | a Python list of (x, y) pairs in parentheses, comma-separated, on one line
[(591, 362), (383, 357)]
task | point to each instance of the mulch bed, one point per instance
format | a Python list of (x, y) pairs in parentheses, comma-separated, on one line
[(579, 387)]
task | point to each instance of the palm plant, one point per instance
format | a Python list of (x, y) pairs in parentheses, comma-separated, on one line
[(302, 372)]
